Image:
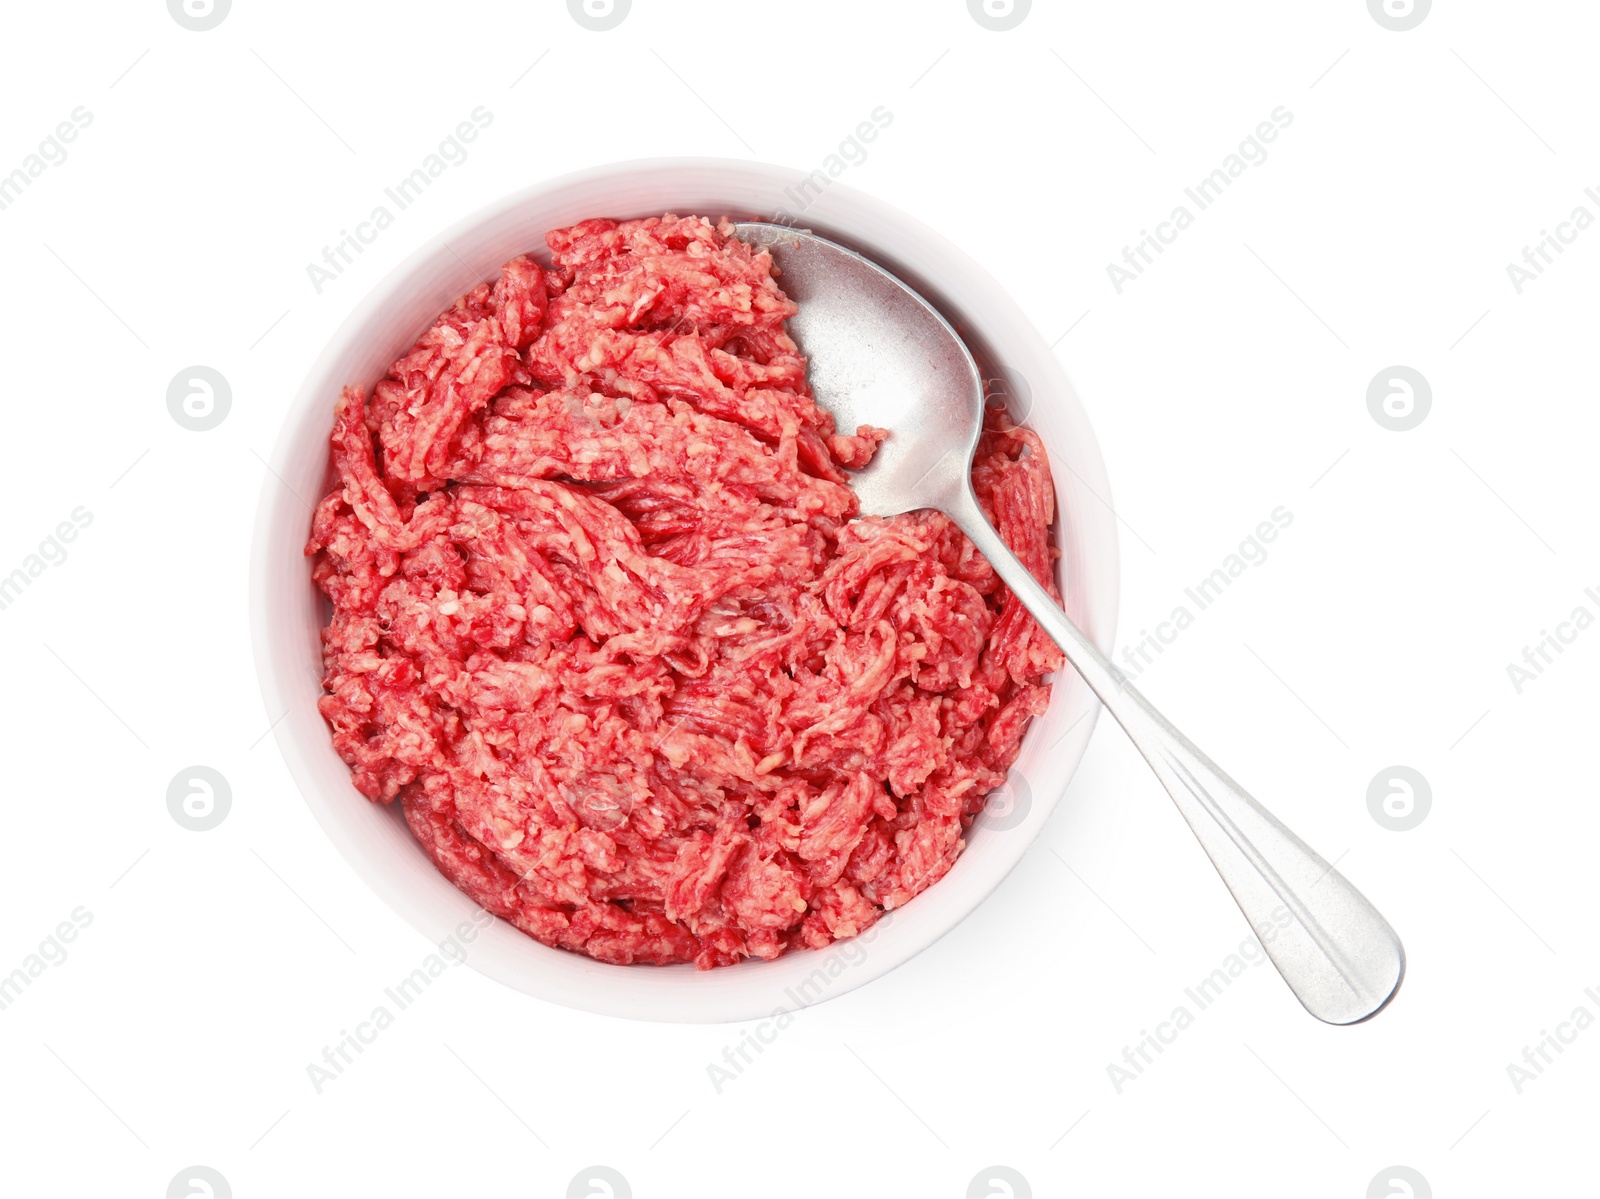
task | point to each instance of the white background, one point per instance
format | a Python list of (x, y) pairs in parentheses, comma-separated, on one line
[(1228, 380)]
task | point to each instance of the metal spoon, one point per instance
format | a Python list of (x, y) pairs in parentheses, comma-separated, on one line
[(882, 355)]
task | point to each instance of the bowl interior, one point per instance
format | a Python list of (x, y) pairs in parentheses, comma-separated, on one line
[(288, 613)]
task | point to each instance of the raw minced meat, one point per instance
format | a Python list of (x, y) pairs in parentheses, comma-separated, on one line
[(603, 622)]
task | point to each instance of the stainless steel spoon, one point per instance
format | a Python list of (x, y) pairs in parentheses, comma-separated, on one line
[(882, 355)]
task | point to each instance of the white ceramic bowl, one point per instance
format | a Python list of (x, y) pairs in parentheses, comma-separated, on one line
[(287, 612)]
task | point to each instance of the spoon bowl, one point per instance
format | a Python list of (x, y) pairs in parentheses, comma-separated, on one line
[(881, 355)]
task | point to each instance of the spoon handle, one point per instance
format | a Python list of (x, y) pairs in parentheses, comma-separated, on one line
[(1337, 953)]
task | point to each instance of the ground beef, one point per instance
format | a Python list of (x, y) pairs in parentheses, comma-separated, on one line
[(604, 625)]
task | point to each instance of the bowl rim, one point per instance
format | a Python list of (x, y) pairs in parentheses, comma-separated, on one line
[(591, 987)]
